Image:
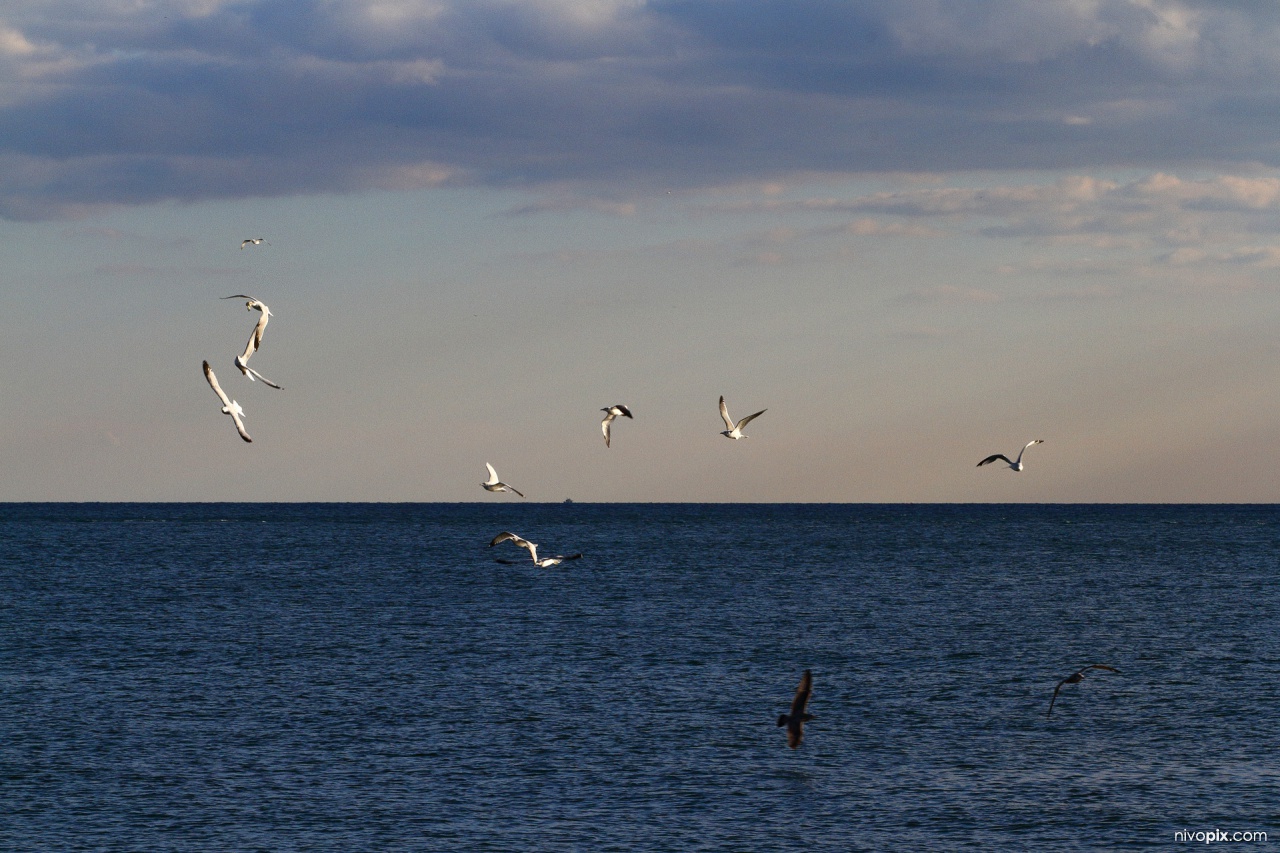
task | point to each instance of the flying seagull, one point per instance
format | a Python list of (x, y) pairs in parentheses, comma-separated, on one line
[(733, 430), (229, 407), (1076, 678), (1015, 465), (255, 338), (493, 485), (609, 414), (532, 548), (253, 241), (799, 711)]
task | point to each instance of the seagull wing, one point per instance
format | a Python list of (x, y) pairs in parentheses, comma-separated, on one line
[(1055, 697), (251, 347), (504, 536), (724, 413), (993, 458), (213, 383), (264, 379), (239, 296), (803, 691), (235, 417), (256, 337), (624, 411), (1099, 666), (517, 491), (493, 475), (748, 419), (1024, 449), (604, 428)]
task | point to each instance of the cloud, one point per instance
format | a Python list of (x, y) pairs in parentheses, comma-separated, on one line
[(1261, 257), (1158, 209), (949, 293), (868, 227), (569, 204), (116, 103)]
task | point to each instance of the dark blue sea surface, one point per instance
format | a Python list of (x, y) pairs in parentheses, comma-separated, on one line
[(355, 677)]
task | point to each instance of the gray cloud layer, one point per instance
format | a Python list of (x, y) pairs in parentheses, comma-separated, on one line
[(108, 102)]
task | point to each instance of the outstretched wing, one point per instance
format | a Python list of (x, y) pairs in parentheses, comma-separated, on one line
[(256, 337), (749, 418), (263, 379), (251, 347), (724, 413), (993, 458), (1100, 666), (604, 428), (504, 536), (235, 418), (803, 691), (1025, 446), (1055, 697), (493, 475), (213, 383)]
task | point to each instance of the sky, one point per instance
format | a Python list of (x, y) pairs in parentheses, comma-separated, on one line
[(916, 232)]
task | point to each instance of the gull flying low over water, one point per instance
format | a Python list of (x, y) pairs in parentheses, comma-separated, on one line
[(609, 414), (799, 715), (253, 241), (229, 407), (1075, 678), (733, 430), (255, 338), (532, 548), (1016, 464), (493, 484)]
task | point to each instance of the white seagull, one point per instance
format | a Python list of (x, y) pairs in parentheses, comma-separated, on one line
[(532, 548), (609, 414), (253, 241), (733, 430), (255, 338), (1016, 465), (494, 485), (229, 407)]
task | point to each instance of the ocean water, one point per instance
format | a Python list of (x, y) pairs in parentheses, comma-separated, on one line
[(365, 677)]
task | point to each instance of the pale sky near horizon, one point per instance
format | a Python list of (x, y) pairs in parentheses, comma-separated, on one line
[(916, 232)]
